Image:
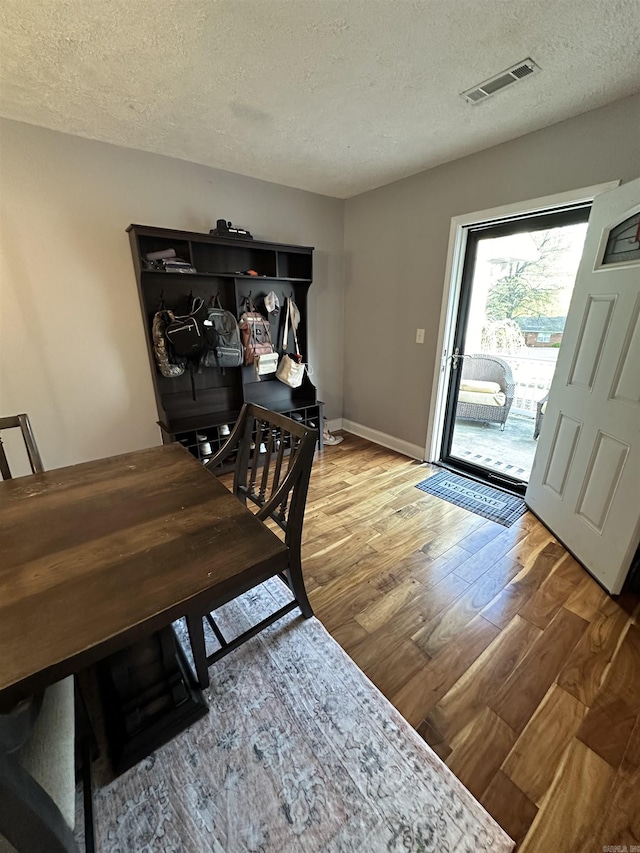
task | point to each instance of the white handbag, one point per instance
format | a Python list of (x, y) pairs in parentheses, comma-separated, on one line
[(290, 372), (265, 363), (291, 367)]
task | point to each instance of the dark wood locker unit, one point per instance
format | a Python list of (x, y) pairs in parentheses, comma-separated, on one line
[(221, 264)]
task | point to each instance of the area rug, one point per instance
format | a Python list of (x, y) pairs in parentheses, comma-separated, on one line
[(299, 753), (476, 497)]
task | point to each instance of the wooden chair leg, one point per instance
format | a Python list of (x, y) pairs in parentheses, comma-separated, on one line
[(296, 582), (195, 628)]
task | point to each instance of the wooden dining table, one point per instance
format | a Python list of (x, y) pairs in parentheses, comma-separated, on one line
[(98, 555)]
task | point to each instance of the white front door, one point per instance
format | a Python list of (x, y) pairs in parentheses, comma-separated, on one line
[(585, 480)]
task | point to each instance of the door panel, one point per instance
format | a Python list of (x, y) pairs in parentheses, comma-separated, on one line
[(591, 339), (585, 480), (601, 480), (626, 388), (561, 454)]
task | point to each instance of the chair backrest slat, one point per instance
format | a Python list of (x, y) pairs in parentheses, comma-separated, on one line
[(279, 458), (265, 477), (295, 444), (266, 466)]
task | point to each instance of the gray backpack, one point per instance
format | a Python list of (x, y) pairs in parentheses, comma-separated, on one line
[(222, 338)]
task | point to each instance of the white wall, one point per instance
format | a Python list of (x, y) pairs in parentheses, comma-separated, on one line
[(396, 240), (72, 351)]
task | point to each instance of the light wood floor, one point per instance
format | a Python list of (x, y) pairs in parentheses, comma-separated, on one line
[(511, 662)]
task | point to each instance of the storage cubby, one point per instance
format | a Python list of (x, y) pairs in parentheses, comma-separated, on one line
[(205, 441), (150, 244), (220, 264), (233, 260), (295, 265)]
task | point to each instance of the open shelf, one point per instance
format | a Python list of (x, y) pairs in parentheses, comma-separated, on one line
[(201, 273)]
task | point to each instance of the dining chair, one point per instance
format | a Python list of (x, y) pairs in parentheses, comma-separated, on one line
[(273, 457), (37, 802), (37, 774), (21, 422)]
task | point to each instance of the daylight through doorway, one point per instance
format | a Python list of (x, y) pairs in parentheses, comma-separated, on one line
[(517, 283)]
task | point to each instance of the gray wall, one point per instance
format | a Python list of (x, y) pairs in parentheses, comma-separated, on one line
[(396, 241), (72, 351)]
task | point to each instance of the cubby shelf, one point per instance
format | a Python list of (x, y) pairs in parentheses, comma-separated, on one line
[(201, 273), (204, 439)]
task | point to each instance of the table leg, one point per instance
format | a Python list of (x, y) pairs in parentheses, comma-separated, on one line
[(198, 650)]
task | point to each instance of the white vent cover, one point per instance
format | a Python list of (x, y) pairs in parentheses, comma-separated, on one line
[(500, 81)]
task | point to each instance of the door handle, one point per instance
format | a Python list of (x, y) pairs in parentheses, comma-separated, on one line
[(455, 358)]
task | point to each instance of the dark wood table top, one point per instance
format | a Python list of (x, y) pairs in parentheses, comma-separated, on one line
[(97, 555)]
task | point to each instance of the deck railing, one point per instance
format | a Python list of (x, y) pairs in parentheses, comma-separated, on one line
[(533, 379)]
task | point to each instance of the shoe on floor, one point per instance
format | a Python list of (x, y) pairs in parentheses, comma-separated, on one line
[(327, 437)]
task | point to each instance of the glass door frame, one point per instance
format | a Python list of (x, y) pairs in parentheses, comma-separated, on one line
[(550, 218)]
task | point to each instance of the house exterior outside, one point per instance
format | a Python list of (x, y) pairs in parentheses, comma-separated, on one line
[(541, 331), (542, 339)]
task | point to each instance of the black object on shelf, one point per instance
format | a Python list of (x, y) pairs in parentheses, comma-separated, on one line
[(283, 268), (226, 229)]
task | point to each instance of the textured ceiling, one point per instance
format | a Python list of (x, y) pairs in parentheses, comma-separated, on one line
[(334, 96)]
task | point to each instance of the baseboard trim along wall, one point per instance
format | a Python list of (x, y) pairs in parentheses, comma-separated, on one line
[(334, 424), (414, 451)]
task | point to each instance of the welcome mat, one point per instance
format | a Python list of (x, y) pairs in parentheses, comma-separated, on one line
[(483, 500)]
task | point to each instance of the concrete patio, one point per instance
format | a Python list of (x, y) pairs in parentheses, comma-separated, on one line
[(510, 452)]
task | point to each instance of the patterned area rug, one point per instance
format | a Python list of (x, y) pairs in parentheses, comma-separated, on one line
[(476, 497), (299, 753)]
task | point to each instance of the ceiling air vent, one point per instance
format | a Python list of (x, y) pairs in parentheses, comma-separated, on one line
[(500, 81)]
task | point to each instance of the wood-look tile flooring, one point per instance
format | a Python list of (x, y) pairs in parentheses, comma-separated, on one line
[(508, 658)]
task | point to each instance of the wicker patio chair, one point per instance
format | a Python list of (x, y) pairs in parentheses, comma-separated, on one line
[(488, 368), (539, 415)]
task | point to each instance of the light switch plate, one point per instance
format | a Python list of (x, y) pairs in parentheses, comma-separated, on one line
[(420, 336)]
